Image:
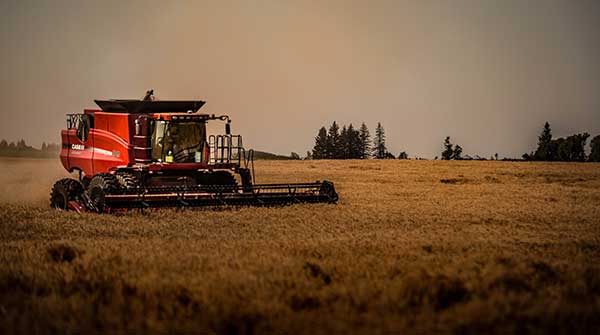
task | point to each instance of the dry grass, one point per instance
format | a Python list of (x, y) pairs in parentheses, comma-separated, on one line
[(412, 246)]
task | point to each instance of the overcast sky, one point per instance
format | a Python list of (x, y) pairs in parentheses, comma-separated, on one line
[(486, 73)]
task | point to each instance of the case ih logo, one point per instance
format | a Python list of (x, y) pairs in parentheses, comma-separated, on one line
[(97, 150)]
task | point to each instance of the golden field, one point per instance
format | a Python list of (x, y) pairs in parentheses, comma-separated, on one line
[(411, 247)]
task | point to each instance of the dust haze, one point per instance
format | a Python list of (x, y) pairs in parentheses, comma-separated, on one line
[(27, 181), (486, 73)]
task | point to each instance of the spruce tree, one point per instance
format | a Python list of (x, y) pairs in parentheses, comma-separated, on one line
[(447, 153), (545, 150), (344, 145), (320, 148), (354, 143), (380, 149), (333, 142), (365, 141)]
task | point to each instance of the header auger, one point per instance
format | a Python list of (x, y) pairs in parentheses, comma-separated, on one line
[(154, 153)]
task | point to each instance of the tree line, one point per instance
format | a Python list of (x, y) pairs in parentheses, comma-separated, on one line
[(22, 149), (350, 143), (569, 149)]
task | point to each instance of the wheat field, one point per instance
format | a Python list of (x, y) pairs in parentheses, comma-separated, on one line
[(411, 247)]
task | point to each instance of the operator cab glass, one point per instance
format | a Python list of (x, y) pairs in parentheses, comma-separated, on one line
[(178, 141)]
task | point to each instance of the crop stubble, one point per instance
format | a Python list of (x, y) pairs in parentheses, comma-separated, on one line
[(412, 246)]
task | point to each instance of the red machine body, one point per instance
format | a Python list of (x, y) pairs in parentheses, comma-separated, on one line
[(108, 145), (111, 144)]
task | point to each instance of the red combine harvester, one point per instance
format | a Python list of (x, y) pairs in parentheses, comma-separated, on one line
[(155, 153)]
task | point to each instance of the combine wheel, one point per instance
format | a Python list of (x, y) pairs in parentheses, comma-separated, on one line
[(127, 180), (100, 185), (63, 191)]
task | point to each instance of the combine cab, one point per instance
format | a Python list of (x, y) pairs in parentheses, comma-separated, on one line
[(149, 153)]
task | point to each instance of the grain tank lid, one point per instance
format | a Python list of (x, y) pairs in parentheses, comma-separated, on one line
[(149, 106)]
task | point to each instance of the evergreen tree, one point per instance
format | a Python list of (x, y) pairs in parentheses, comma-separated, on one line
[(333, 142), (380, 149), (344, 145), (595, 145), (3, 144), (448, 152), (545, 148), (321, 142), (294, 156), (403, 155), (354, 143), (365, 142), (308, 156)]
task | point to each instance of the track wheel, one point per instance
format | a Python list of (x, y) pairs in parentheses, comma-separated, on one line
[(101, 185), (127, 180), (63, 191)]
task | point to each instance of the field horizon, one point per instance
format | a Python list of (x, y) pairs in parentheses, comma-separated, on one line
[(411, 247)]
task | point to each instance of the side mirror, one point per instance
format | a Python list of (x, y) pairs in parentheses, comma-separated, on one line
[(228, 128)]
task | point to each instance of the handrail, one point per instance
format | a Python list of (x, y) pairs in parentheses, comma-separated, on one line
[(223, 150), (73, 120), (250, 160)]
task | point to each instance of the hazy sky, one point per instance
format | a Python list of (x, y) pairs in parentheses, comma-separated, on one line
[(486, 73)]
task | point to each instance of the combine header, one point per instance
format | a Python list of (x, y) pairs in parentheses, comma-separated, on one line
[(149, 153)]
